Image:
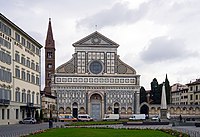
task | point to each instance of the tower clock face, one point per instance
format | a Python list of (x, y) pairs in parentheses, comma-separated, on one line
[(96, 67)]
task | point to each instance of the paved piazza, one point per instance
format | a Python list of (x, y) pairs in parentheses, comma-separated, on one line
[(24, 129), (18, 130)]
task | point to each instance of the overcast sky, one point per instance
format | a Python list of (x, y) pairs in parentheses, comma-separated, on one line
[(156, 37)]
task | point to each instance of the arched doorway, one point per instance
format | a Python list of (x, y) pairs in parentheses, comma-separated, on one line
[(144, 109), (96, 106), (116, 108), (61, 110), (75, 109)]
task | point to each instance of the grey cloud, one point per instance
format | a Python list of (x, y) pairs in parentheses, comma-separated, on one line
[(118, 14), (164, 48)]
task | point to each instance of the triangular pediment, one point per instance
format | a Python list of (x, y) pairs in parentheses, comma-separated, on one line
[(95, 39)]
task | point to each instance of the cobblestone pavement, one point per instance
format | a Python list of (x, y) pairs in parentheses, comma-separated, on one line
[(18, 130), (191, 130), (25, 129)]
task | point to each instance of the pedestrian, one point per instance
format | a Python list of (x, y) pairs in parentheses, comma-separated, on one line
[(180, 117)]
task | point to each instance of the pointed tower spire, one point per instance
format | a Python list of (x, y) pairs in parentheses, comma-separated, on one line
[(49, 59), (49, 38)]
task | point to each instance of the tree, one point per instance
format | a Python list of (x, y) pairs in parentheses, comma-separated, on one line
[(167, 89), (143, 95), (155, 92)]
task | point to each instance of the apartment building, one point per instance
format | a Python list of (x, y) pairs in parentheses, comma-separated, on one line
[(179, 94), (20, 57), (188, 94), (194, 92)]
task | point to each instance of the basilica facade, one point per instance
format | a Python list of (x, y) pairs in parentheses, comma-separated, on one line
[(95, 81)]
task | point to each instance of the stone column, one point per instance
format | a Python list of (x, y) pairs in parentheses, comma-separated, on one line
[(138, 101)]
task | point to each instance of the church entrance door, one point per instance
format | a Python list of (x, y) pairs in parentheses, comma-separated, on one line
[(96, 106), (75, 110)]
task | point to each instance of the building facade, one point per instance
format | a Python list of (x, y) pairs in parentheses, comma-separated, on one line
[(19, 73), (188, 94), (95, 81), (179, 94), (194, 92)]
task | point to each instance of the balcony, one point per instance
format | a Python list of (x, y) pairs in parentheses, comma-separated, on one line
[(4, 102)]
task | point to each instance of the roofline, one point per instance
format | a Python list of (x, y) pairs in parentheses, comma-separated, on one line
[(19, 29), (76, 45)]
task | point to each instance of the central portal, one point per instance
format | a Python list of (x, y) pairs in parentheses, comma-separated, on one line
[(96, 106)]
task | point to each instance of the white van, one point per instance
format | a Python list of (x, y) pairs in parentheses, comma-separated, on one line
[(111, 117), (138, 117), (84, 117)]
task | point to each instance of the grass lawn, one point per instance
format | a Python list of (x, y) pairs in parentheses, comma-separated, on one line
[(91, 132)]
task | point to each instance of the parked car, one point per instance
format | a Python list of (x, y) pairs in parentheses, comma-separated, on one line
[(66, 117), (111, 117), (84, 117), (138, 117), (28, 120), (156, 118)]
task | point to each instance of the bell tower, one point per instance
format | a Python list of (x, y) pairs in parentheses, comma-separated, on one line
[(49, 59)]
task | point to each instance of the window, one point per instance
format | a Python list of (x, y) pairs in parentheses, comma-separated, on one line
[(33, 65), (191, 88), (24, 97), (1, 40), (33, 48), (17, 113), (8, 113), (37, 67), (196, 88), (7, 44), (8, 59), (23, 41), (49, 65), (196, 97), (3, 114), (23, 60), (5, 94), (28, 63), (17, 37), (23, 75), (28, 76), (5, 29), (28, 45), (49, 55), (191, 97), (17, 57), (37, 80), (37, 98), (28, 98), (96, 67), (37, 51), (5, 75), (17, 96), (5, 57), (17, 73), (33, 97), (33, 78)]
